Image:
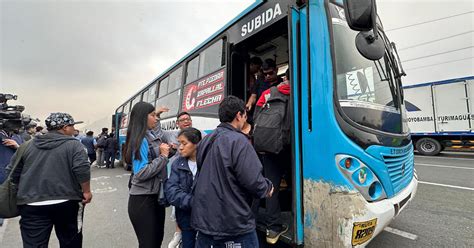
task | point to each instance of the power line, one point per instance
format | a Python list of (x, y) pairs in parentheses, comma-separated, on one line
[(434, 20), (446, 62), (435, 54), (433, 41)]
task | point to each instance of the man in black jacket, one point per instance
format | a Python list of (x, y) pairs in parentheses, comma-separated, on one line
[(230, 177), (54, 185)]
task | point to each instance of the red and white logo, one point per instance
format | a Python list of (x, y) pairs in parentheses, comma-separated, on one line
[(190, 97)]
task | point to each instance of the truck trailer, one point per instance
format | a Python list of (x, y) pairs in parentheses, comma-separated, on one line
[(441, 114)]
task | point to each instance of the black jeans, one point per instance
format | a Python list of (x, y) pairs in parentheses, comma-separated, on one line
[(92, 157), (148, 219), (274, 165), (189, 238), (37, 222), (109, 158)]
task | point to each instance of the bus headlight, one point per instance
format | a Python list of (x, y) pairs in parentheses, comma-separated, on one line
[(361, 177)]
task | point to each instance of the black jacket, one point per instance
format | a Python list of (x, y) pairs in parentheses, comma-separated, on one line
[(230, 177), (54, 166), (178, 191)]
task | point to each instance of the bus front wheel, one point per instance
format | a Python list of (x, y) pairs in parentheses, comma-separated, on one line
[(428, 146)]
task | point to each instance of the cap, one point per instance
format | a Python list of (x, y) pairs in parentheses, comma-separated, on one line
[(59, 120)]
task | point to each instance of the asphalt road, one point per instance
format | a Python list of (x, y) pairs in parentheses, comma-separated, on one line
[(441, 215)]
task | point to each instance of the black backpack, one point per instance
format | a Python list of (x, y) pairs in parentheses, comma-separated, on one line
[(272, 123), (101, 141)]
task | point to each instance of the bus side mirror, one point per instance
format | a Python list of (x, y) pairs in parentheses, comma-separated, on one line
[(359, 14)]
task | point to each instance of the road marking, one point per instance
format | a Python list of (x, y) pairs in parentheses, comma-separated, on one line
[(401, 233), (104, 190), (445, 166), (446, 185), (469, 159), (458, 153), (100, 178)]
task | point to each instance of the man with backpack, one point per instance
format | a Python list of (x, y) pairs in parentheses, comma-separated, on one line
[(101, 142), (272, 141)]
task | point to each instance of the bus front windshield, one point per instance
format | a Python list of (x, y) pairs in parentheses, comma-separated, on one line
[(366, 90)]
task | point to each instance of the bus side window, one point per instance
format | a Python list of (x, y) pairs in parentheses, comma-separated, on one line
[(192, 70), (175, 80), (211, 59), (163, 87), (126, 111), (145, 95), (152, 94)]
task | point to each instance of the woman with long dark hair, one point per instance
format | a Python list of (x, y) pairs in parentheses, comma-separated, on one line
[(148, 156)]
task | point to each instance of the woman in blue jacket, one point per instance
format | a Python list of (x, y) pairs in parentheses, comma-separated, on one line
[(148, 156), (179, 184)]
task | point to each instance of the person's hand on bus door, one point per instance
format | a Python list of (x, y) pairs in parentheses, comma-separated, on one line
[(248, 106), (251, 102), (271, 192), (164, 149)]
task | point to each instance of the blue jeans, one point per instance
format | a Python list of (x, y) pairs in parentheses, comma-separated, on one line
[(248, 240), (189, 238)]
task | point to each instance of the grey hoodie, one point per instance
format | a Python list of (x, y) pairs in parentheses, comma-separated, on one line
[(54, 166)]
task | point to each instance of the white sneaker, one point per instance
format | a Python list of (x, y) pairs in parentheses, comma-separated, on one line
[(175, 241)]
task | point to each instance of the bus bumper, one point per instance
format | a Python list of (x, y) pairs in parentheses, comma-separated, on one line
[(383, 212)]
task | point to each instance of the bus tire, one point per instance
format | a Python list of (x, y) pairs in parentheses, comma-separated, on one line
[(428, 146)]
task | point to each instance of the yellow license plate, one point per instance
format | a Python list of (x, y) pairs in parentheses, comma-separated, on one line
[(363, 231)]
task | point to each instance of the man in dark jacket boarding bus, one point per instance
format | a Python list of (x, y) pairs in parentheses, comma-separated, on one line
[(229, 177)]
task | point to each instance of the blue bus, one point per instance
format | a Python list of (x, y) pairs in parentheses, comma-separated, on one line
[(352, 167)]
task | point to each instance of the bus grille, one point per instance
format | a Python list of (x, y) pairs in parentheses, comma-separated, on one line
[(400, 169)]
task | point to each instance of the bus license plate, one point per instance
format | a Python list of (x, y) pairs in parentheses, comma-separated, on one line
[(363, 231)]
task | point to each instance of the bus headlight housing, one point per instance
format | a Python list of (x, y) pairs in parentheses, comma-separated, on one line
[(361, 177)]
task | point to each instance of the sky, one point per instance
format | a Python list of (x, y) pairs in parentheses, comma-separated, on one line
[(88, 57)]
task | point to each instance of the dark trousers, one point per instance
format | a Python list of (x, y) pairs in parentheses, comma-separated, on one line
[(148, 219), (92, 157), (109, 158), (37, 222), (248, 240), (273, 167), (188, 238)]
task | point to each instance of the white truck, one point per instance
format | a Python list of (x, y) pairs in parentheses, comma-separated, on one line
[(441, 114)]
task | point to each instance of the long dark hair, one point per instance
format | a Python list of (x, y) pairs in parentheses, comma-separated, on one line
[(137, 127)]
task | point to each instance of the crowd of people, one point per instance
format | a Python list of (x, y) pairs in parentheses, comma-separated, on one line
[(215, 182)]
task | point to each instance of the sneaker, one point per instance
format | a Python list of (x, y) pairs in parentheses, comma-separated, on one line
[(175, 241), (275, 232)]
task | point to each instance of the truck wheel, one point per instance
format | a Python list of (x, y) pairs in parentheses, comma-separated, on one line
[(428, 146)]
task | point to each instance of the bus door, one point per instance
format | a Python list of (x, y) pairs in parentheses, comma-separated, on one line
[(116, 121), (295, 55)]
